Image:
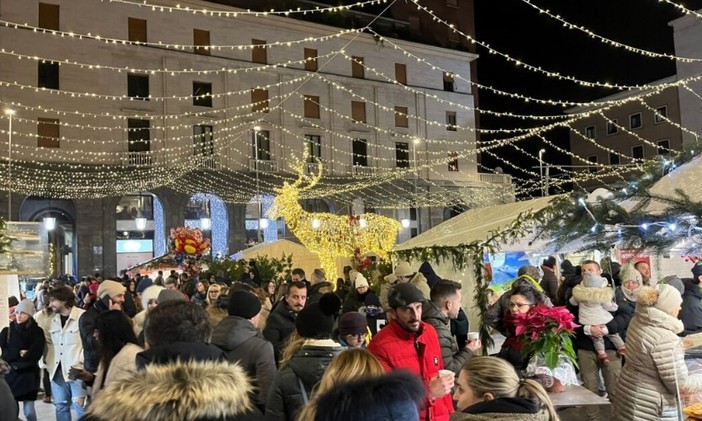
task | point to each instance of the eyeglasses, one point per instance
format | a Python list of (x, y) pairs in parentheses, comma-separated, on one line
[(519, 305)]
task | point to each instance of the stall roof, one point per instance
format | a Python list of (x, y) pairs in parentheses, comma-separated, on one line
[(474, 224)]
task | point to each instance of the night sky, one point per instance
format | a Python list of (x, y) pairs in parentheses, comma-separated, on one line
[(513, 27)]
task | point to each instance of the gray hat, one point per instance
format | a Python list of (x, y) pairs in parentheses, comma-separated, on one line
[(675, 282), (25, 306), (170, 295), (404, 294)]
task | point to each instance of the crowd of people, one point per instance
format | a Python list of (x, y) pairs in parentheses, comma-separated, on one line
[(196, 347)]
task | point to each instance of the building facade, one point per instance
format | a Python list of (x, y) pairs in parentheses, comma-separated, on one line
[(687, 32), (130, 120)]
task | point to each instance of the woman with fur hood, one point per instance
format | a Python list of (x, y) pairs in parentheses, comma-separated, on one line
[(647, 384), (595, 298)]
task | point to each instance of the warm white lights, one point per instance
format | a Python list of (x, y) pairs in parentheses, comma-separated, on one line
[(206, 224), (49, 223), (316, 223), (405, 223)]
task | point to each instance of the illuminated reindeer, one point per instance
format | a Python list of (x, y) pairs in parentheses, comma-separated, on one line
[(328, 235)]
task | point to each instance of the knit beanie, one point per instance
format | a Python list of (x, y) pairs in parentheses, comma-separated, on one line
[(629, 273), (316, 320), (675, 282), (110, 288), (143, 284), (360, 281), (353, 323), (170, 295), (663, 297), (150, 293), (244, 304), (25, 306), (530, 270)]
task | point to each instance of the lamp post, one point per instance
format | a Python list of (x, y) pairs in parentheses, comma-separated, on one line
[(9, 113), (541, 171), (416, 142), (256, 130)]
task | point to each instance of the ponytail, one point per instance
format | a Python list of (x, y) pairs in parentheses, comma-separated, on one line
[(531, 389)]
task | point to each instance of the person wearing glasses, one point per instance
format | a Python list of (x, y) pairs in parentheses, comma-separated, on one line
[(522, 300)]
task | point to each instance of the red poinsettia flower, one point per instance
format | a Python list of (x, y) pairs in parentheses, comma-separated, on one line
[(546, 330)]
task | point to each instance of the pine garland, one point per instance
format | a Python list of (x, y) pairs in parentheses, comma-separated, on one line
[(5, 240)]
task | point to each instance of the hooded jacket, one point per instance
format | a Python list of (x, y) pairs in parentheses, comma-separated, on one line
[(23, 377), (244, 344), (505, 409), (420, 353), (453, 357), (187, 391), (691, 311), (286, 397), (595, 301)]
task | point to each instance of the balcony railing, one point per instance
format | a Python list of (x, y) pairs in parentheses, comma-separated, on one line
[(263, 165), (495, 178), (362, 171), (312, 168), (209, 162), (139, 159)]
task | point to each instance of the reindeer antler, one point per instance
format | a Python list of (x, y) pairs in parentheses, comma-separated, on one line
[(299, 167)]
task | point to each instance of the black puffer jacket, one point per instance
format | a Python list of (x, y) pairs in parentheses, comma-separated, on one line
[(691, 311), (286, 398), (23, 377), (453, 357), (244, 344), (315, 292), (86, 323), (279, 325)]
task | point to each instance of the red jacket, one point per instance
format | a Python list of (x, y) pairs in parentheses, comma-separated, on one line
[(420, 353)]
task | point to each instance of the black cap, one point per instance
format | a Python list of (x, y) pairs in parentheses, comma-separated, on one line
[(244, 304), (404, 294), (697, 269)]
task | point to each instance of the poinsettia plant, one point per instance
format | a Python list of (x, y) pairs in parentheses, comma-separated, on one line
[(548, 331), (188, 241)]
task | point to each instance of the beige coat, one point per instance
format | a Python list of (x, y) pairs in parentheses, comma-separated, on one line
[(417, 280), (122, 366), (646, 389)]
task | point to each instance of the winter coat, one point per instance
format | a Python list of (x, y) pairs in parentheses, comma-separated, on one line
[(183, 351), (618, 324), (87, 327), (315, 292), (266, 308), (625, 311), (505, 409), (417, 280), (428, 272), (397, 349), (279, 326), (354, 301), (453, 357), (647, 384), (64, 344), (496, 313), (286, 398), (691, 311), (245, 345), (571, 278), (23, 377), (9, 410), (199, 298), (549, 283), (123, 365), (595, 304), (186, 391)]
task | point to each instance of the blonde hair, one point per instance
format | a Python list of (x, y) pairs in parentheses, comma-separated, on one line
[(213, 287), (295, 342), (498, 377), (349, 365)]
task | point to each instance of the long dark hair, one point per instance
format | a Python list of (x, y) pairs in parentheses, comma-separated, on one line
[(115, 330)]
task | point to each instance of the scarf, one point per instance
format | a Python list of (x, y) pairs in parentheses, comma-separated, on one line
[(629, 295)]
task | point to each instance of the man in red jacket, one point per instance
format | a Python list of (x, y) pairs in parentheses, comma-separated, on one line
[(409, 344)]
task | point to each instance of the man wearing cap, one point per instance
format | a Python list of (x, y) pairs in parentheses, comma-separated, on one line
[(403, 274), (407, 343), (110, 296), (64, 350), (239, 338)]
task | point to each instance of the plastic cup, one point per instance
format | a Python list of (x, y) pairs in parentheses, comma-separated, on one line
[(473, 335)]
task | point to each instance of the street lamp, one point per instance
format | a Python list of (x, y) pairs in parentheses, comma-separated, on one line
[(541, 171), (9, 113), (256, 130), (415, 143)]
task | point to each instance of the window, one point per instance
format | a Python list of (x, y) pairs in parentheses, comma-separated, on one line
[(49, 16), (451, 121), (357, 69), (402, 154), (203, 141), (612, 127), (138, 86), (262, 139), (312, 106), (360, 152), (311, 59), (593, 159), (453, 161), (48, 133), (663, 147), (201, 37), (635, 121), (401, 73), (590, 132), (48, 75), (413, 214), (660, 115), (358, 111), (637, 152), (139, 135), (314, 147), (614, 158), (401, 119), (449, 84), (258, 53), (137, 30), (202, 94), (259, 100)]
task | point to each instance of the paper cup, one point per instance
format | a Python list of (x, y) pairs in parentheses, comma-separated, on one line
[(473, 335), (444, 373)]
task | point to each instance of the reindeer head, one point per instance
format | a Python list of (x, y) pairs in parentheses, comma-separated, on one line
[(289, 193)]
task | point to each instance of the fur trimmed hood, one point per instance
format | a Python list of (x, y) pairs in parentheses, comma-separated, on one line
[(178, 391), (592, 295)]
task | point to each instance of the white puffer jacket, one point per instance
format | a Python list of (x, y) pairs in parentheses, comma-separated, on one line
[(646, 389)]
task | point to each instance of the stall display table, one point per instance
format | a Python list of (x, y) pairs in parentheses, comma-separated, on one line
[(576, 396)]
